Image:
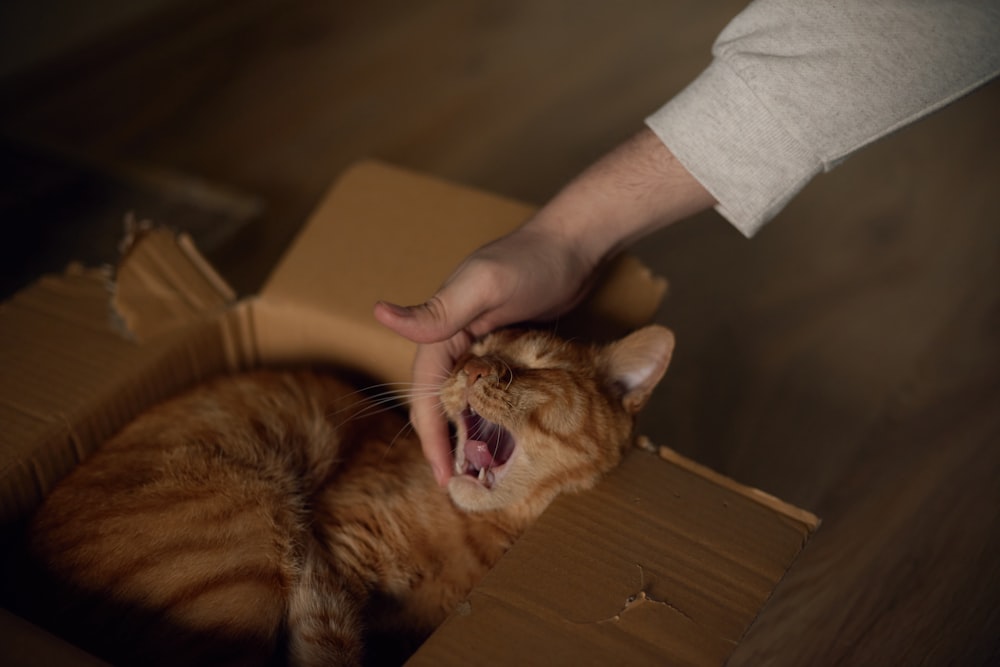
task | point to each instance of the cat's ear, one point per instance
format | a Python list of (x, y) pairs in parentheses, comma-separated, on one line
[(634, 365)]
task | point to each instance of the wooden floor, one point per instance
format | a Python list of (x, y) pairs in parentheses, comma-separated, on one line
[(846, 360)]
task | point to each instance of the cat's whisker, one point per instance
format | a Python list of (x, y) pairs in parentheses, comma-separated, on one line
[(445, 372), (403, 394), (360, 415), (481, 428), (396, 437), (404, 390), (372, 408), (397, 397), (361, 408), (369, 408), (403, 386), (439, 407), (510, 374)]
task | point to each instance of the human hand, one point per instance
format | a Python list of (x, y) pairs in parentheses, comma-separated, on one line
[(532, 273), (542, 269)]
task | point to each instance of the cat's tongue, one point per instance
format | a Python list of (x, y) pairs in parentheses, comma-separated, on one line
[(488, 445), (478, 454)]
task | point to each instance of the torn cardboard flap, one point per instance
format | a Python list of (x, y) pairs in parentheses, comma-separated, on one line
[(162, 282)]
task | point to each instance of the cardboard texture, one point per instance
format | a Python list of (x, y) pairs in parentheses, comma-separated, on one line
[(666, 562), (657, 566)]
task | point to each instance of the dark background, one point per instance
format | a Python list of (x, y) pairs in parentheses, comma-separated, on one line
[(847, 359)]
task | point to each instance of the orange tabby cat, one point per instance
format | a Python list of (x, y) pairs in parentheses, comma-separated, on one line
[(274, 516)]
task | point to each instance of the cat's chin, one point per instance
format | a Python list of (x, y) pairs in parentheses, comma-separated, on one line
[(471, 495), (480, 490)]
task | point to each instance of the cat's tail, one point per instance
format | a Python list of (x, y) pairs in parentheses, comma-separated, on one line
[(324, 622)]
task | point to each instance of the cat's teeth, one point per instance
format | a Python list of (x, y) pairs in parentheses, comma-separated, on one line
[(490, 477), (482, 474)]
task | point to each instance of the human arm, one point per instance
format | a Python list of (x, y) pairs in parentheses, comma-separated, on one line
[(797, 87), (542, 268), (794, 89)]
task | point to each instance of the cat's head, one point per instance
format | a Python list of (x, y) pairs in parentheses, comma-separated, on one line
[(535, 415)]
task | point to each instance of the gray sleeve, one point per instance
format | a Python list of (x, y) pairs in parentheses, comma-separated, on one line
[(796, 86)]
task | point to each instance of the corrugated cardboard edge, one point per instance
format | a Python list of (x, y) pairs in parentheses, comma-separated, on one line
[(808, 519), (163, 283), (685, 563), (804, 517)]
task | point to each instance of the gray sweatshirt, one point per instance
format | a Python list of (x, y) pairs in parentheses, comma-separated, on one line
[(796, 86)]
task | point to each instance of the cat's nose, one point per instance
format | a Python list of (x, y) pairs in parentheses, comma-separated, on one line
[(476, 368)]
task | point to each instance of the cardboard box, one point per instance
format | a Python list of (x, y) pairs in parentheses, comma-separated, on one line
[(665, 563)]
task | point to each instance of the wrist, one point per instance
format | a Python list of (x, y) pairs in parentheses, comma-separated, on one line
[(635, 189)]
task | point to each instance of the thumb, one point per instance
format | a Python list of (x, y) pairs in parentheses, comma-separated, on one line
[(437, 319)]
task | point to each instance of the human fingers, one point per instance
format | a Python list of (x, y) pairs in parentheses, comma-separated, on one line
[(431, 366), (428, 322), (475, 289), (432, 429)]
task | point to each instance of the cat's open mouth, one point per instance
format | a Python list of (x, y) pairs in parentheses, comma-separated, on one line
[(486, 449)]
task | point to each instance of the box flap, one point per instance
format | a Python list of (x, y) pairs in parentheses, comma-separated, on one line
[(70, 379), (398, 235), (162, 282), (689, 563)]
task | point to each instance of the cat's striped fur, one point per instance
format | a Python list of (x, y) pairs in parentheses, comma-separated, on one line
[(273, 516)]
